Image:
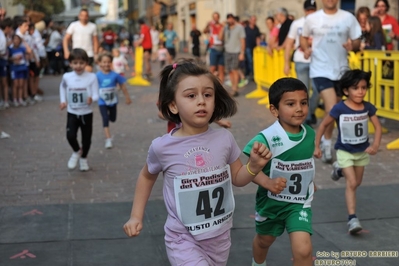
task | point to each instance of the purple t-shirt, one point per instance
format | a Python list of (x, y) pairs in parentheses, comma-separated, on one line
[(352, 126), (197, 184)]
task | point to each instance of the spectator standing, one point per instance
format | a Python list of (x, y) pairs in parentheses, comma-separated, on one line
[(252, 39), (55, 54), (170, 41), (389, 23), (5, 29), (195, 35), (155, 42), (146, 42), (109, 38), (83, 34), (272, 40), (124, 35), (285, 22), (375, 39), (216, 48), (334, 32), (362, 14), (294, 53), (233, 35)]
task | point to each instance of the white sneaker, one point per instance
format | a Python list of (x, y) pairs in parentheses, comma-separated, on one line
[(6, 105), (38, 98), (83, 165), (326, 155), (73, 161), (30, 101), (4, 135), (22, 102), (108, 143), (16, 103)]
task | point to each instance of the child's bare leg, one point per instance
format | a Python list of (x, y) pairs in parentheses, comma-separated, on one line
[(15, 90), (354, 177), (260, 247), (107, 132), (301, 246)]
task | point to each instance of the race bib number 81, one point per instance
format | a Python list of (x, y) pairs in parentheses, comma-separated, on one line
[(77, 98), (204, 202)]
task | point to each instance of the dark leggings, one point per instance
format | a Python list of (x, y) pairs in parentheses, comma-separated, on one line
[(85, 122), (108, 113)]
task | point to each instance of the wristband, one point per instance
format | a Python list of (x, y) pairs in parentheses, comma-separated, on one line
[(249, 171)]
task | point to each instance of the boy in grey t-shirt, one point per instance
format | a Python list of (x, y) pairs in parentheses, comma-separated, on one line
[(233, 35)]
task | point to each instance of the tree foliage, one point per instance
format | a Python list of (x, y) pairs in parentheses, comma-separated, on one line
[(48, 7)]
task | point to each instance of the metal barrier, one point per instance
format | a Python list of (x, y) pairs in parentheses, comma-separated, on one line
[(384, 93)]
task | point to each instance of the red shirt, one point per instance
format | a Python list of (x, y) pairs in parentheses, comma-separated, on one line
[(146, 35), (109, 37), (214, 30), (389, 20)]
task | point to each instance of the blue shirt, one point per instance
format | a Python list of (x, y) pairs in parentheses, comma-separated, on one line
[(170, 36), (17, 52), (107, 83), (352, 126)]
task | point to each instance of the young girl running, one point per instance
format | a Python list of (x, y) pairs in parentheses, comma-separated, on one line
[(78, 90), (199, 166), (108, 80), (353, 147)]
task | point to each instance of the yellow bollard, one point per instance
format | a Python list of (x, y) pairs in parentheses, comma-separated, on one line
[(394, 145), (264, 100), (257, 93), (138, 80)]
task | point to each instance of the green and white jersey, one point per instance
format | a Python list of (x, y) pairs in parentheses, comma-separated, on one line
[(292, 158)]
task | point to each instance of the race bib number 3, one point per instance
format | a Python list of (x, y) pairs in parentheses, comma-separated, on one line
[(204, 202), (299, 175), (354, 128), (108, 95), (77, 98)]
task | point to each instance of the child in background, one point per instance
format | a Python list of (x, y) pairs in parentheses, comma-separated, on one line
[(162, 54), (5, 30), (291, 143), (263, 42), (353, 147), (124, 49), (119, 62), (108, 80), (375, 37), (19, 69), (78, 89), (189, 94)]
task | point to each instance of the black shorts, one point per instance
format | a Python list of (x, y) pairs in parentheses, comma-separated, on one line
[(148, 50), (172, 52), (34, 71)]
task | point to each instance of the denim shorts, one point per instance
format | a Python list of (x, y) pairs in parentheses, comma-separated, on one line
[(325, 83), (216, 58)]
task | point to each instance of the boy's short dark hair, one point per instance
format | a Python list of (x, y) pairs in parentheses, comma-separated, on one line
[(78, 54), (7, 22), (283, 85)]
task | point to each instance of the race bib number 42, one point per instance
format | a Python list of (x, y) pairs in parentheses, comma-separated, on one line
[(204, 202)]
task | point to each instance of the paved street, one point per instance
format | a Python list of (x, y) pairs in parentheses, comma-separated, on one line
[(68, 217)]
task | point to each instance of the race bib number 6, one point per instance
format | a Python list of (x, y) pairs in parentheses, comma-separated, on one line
[(204, 202)]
